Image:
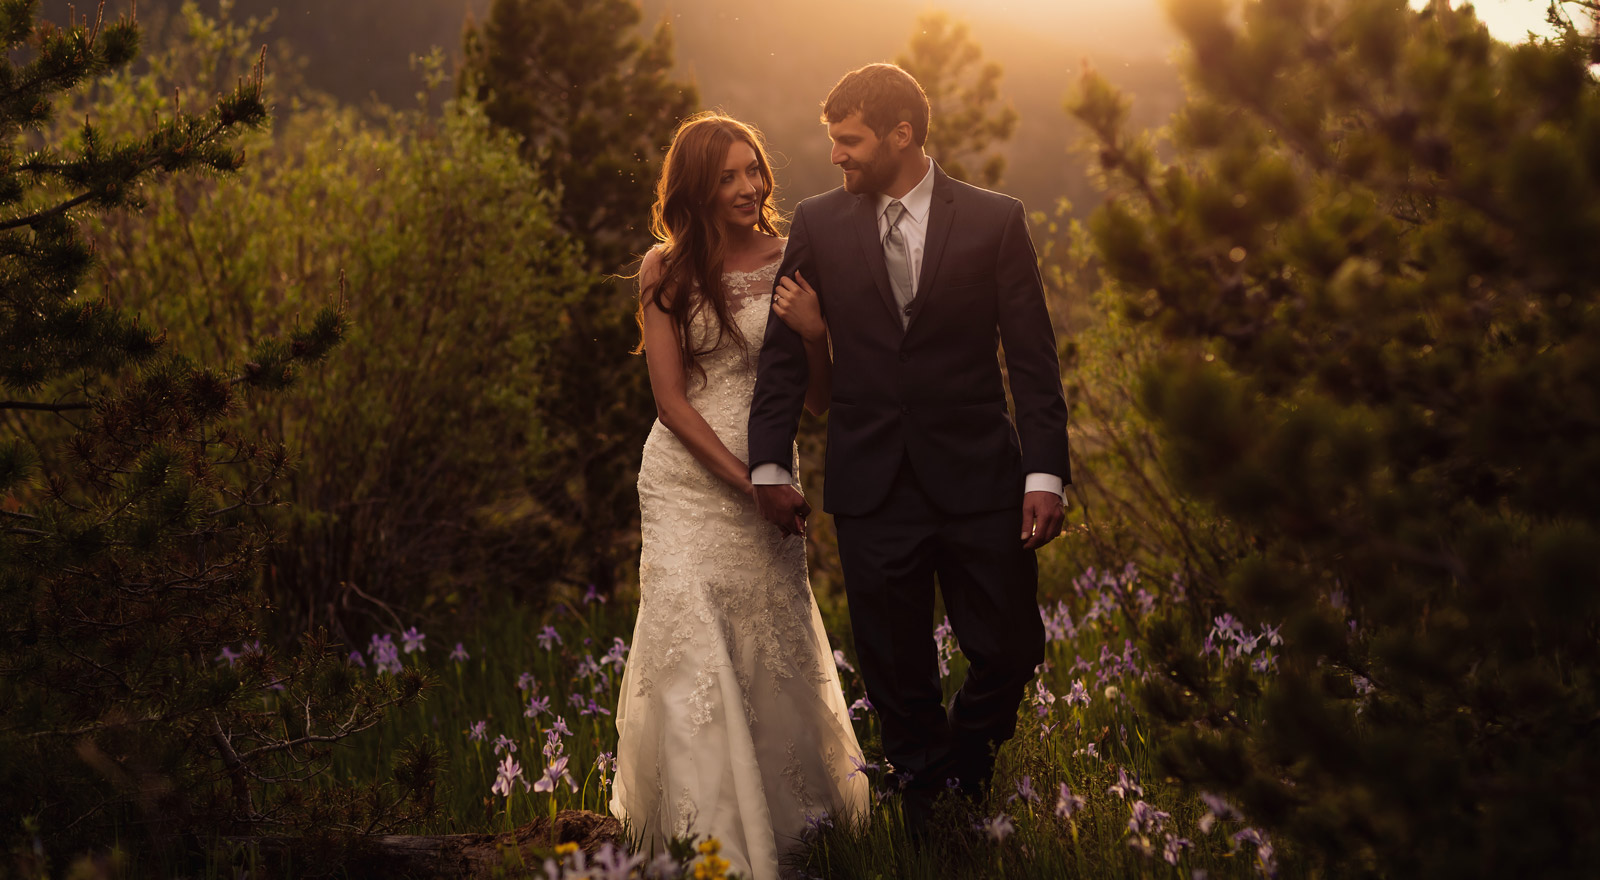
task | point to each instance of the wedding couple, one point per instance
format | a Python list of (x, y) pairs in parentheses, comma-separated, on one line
[(884, 308)]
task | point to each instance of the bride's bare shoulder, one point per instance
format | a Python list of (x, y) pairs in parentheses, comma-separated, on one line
[(650, 270)]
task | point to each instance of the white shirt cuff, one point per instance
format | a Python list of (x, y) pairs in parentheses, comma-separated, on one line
[(1042, 482), (772, 474)]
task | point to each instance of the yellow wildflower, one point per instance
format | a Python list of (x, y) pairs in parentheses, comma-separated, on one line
[(566, 849)]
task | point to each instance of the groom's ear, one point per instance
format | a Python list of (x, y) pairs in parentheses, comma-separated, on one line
[(902, 135)]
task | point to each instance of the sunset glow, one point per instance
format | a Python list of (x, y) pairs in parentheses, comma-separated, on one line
[(1508, 20)]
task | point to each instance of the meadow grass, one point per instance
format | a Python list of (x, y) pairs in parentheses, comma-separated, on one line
[(1077, 792)]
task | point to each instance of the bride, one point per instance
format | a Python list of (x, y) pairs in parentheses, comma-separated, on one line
[(731, 720)]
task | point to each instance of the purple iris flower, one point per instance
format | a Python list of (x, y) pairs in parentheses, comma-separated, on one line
[(459, 655), (1067, 803), (413, 640), (547, 636)]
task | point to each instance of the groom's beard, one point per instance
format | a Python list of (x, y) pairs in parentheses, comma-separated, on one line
[(874, 175)]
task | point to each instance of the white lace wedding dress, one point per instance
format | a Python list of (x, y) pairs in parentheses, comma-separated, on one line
[(731, 720)]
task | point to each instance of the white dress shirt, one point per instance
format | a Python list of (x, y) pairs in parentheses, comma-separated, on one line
[(914, 227)]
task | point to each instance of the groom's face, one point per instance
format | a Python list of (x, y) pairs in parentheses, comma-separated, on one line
[(868, 161)]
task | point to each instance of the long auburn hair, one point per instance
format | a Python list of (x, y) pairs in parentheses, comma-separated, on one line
[(692, 241)]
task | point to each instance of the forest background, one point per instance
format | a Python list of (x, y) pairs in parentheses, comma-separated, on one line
[(1331, 372)]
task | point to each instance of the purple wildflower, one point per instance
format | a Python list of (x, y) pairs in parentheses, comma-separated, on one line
[(1173, 849), (1145, 600), (863, 705), (1091, 750), (1228, 627), (385, 655), (413, 640), (1266, 860), (592, 595), (593, 708), (547, 636), (560, 726), (1145, 819), (1217, 809), (588, 668), (861, 765), (356, 659), (613, 862), (509, 773), (555, 771), (999, 828), (1042, 697), (1067, 803), (617, 655), (459, 655), (229, 655), (479, 731), (1025, 791), (1125, 785), (842, 662), (1079, 695), (504, 742), (536, 706)]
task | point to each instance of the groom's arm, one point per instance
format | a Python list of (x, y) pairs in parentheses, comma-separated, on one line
[(1031, 362), (782, 374)]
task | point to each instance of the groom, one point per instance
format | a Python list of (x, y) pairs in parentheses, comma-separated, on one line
[(919, 277)]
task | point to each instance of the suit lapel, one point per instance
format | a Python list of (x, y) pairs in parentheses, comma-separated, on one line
[(866, 222), (941, 215)]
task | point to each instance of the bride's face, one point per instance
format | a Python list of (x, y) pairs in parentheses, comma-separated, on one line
[(741, 187)]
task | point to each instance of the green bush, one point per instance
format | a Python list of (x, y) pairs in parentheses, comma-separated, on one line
[(419, 442), (139, 709), (1372, 271)]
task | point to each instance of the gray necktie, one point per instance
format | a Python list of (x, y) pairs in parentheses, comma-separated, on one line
[(898, 259)]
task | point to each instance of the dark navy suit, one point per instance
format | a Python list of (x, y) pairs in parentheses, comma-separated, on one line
[(924, 473)]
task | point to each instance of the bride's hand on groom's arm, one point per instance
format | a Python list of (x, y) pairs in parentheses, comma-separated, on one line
[(796, 303), (1042, 516), (784, 507)]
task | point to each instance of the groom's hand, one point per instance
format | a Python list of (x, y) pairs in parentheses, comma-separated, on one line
[(784, 507), (1042, 516)]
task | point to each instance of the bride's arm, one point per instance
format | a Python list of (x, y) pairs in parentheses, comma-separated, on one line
[(797, 304), (668, 384)]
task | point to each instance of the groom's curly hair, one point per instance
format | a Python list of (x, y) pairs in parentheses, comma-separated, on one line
[(885, 96)]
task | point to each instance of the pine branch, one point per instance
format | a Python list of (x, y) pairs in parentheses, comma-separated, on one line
[(48, 213), (43, 407)]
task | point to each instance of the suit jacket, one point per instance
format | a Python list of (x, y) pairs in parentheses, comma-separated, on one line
[(930, 393)]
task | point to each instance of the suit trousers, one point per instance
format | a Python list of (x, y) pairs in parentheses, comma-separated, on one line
[(891, 559)]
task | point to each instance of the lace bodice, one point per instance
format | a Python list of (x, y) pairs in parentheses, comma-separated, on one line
[(721, 393)]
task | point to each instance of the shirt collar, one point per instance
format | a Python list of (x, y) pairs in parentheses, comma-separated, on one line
[(917, 201)]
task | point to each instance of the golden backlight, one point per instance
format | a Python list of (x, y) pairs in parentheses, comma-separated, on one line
[(1509, 20)]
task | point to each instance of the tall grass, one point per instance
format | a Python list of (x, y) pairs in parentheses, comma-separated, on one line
[(1080, 735)]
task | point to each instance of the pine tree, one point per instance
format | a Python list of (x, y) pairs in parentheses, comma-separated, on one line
[(1375, 274), (129, 524), (595, 106), (964, 97)]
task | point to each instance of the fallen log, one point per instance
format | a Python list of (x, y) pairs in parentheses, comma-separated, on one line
[(465, 856)]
